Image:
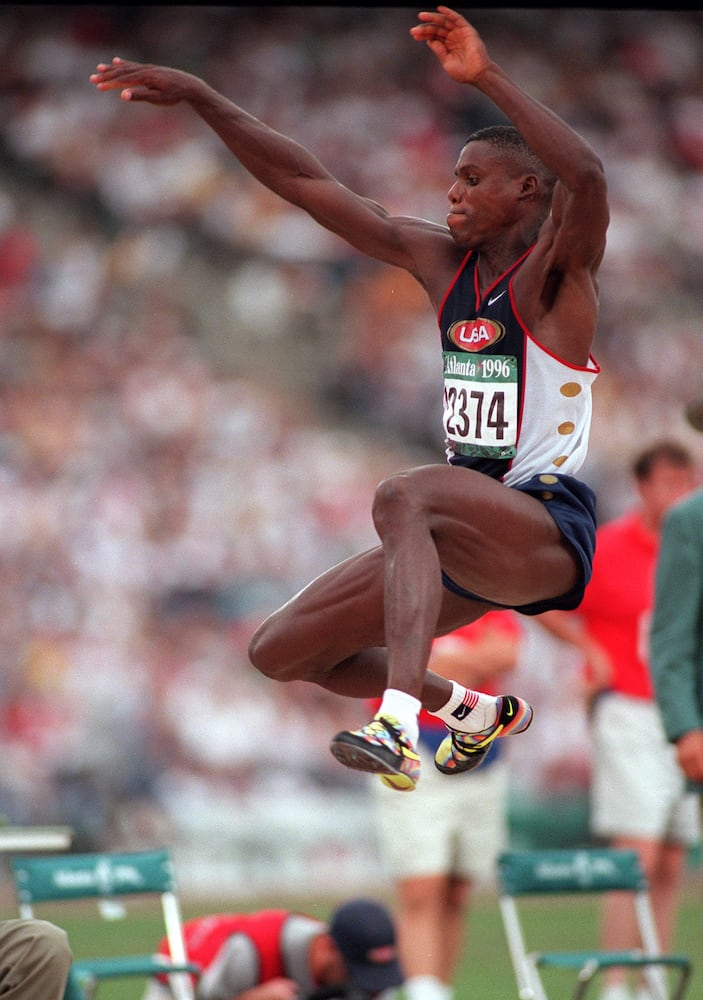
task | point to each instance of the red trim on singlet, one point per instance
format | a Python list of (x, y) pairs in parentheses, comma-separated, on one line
[(457, 275), (593, 364), (477, 291)]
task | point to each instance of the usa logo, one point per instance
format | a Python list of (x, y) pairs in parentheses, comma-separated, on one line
[(475, 334)]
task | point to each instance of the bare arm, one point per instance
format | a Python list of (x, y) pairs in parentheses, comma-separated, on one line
[(279, 162), (465, 59), (568, 627), (557, 288)]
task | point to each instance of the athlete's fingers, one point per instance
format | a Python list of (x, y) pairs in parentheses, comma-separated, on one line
[(116, 71)]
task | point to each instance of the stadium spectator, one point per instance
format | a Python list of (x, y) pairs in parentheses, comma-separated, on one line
[(638, 795), (35, 959), (285, 955), (452, 831), (676, 638), (505, 522)]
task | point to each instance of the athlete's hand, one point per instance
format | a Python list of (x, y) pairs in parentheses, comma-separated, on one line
[(454, 41), (144, 82)]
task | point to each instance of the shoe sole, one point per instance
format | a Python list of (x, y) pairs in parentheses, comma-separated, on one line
[(470, 764), (362, 758), (399, 782)]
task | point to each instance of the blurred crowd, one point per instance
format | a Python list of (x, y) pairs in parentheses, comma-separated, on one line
[(200, 388)]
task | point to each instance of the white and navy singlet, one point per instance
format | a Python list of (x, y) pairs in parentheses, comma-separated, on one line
[(512, 409)]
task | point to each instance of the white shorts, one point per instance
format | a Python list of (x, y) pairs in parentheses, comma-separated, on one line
[(450, 823), (637, 786)]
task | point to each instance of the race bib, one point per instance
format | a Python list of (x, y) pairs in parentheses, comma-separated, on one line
[(481, 404)]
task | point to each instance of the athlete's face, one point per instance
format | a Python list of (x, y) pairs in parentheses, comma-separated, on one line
[(487, 196)]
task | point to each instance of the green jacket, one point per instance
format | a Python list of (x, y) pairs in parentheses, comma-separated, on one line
[(676, 638)]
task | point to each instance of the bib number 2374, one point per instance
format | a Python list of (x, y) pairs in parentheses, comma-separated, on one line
[(480, 404)]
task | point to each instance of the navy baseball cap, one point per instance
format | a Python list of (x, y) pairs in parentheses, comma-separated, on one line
[(364, 932)]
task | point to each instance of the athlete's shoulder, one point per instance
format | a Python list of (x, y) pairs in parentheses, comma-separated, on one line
[(436, 258)]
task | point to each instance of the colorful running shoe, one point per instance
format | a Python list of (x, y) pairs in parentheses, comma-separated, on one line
[(383, 748), (465, 751)]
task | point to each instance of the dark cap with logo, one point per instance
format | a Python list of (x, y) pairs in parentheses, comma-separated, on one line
[(364, 932)]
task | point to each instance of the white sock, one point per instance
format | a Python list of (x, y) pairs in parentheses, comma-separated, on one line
[(468, 711), (426, 988), (404, 708)]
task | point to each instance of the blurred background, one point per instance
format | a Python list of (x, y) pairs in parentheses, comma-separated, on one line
[(200, 389)]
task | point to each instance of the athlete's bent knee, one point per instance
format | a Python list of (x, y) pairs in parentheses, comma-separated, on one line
[(261, 653), (394, 498), (270, 652)]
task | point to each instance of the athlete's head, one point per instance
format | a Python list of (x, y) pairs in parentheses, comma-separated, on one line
[(508, 140), (500, 185)]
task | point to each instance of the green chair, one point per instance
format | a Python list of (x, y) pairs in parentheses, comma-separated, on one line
[(573, 873), (116, 882)]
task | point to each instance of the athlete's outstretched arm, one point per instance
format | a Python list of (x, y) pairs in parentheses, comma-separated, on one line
[(582, 205), (277, 161)]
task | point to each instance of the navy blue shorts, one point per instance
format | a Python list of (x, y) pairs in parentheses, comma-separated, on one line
[(572, 504)]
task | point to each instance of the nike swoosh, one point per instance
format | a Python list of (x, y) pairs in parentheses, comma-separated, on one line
[(496, 297), (510, 710)]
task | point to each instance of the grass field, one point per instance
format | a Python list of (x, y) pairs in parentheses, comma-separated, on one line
[(485, 971)]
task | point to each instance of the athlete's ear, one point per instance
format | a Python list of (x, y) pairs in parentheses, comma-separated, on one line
[(529, 185)]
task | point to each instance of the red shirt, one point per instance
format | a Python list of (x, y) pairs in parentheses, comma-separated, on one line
[(204, 937), (617, 605)]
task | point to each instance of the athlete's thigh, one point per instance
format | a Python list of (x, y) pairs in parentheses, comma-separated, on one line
[(334, 616), (338, 614), (492, 540)]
